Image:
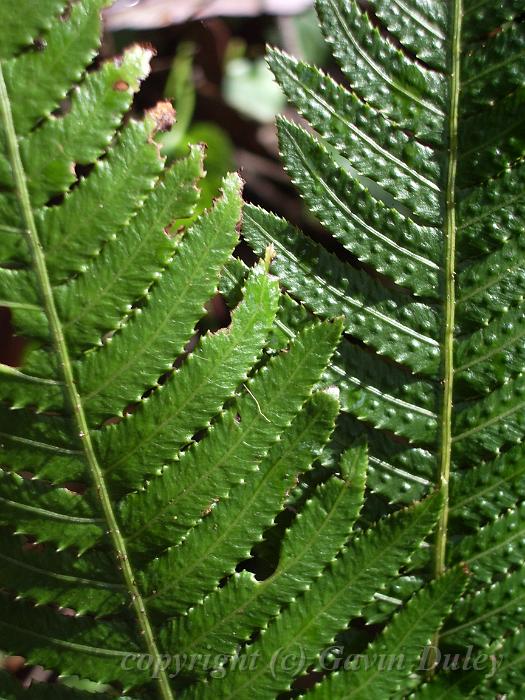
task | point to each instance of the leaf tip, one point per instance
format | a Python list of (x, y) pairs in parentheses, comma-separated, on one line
[(163, 115)]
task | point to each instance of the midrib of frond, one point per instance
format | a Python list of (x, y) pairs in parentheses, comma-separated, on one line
[(72, 395), (449, 285)]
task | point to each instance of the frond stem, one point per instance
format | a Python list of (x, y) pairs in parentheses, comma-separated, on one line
[(72, 395), (449, 288)]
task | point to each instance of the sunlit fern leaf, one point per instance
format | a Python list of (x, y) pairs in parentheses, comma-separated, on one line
[(310, 622), (226, 616), (110, 298), (143, 459), (393, 655), (414, 165)]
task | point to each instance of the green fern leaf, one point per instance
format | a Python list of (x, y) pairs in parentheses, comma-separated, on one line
[(399, 646), (105, 396), (144, 460), (451, 685), (312, 621), (227, 616), (414, 165), (509, 668)]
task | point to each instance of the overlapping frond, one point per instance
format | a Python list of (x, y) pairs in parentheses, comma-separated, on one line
[(310, 623), (143, 460), (414, 165)]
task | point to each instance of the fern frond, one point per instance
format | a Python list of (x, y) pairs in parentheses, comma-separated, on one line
[(228, 615), (495, 548), (482, 493), (239, 439), (159, 427), (142, 458), (414, 166), (58, 515), (32, 80), (392, 322), (395, 654), (485, 616), (311, 621), (509, 674), (453, 685), (106, 294), (250, 506)]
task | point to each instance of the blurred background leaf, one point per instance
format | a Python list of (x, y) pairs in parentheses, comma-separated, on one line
[(249, 87), (147, 14)]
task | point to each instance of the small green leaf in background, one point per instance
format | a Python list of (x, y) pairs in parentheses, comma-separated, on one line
[(180, 88), (250, 87)]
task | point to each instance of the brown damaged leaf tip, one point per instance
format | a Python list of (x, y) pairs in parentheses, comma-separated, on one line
[(164, 116), (121, 86), (269, 255)]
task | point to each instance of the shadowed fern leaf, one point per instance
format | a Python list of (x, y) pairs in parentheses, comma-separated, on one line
[(415, 167), (144, 460)]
